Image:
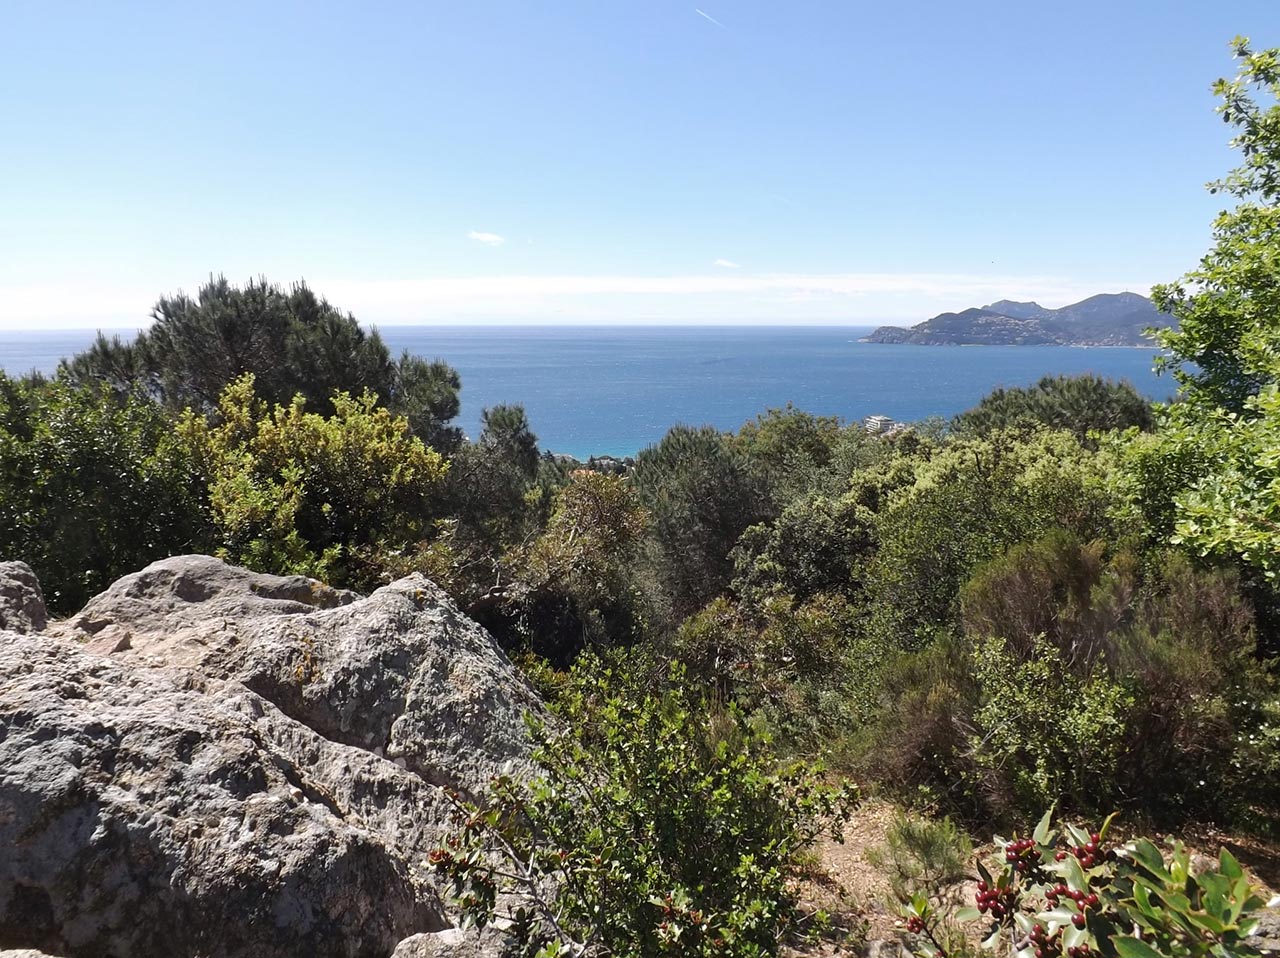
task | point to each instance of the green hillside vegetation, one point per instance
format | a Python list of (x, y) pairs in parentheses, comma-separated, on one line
[(1066, 597)]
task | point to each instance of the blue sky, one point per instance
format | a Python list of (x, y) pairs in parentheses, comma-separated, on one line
[(608, 161)]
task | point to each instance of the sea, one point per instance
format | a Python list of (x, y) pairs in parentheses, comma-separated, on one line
[(613, 390)]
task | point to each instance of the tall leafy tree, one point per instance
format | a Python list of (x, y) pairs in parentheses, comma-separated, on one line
[(702, 492), (1225, 354), (1227, 345), (1081, 404), (292, 341)]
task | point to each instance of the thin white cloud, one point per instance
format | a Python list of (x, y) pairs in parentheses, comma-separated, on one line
[(708, 16), (722, 296), (489, 239), (726, 264)]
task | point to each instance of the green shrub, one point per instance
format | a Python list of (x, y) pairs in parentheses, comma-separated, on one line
[(1073, 893), (923, 856), (793, 449), (92, 486), (574, 584), (656, 828), (295, 492), (1108, 682), (915, 744), (968, 504), (1044, 730)]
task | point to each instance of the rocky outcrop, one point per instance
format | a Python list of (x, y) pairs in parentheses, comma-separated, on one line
[(451, 943), (402, 673), (207, 761), (1266, 938), (21, 601), (144, 816)]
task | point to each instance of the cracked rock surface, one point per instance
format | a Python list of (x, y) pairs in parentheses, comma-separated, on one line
[(21, 601), (209, 761)]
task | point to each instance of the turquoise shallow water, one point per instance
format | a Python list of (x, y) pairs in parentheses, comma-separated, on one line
[(617, 389)]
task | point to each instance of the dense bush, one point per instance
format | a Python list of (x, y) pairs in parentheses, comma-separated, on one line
[(295, 491), (967, 504), (93, 486), (659, 827), (1084, 679), (575, 581), (796, 665)]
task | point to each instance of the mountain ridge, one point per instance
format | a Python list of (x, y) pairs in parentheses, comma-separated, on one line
[(1106, 319)]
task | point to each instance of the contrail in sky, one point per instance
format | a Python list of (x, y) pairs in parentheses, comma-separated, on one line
[(709, 17)]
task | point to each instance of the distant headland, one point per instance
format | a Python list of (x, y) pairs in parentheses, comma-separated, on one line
[(1108, 319)]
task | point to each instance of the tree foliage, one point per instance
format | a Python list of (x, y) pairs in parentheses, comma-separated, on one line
[(291, 340), (1224, 349), (1080, 404), (701, 493), (1218, 442), (295, 491), (92, 486)]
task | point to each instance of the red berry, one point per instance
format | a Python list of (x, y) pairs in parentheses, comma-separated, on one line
[(1077, 920)]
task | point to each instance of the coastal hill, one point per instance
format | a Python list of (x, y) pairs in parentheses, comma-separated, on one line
[(1108, 319)]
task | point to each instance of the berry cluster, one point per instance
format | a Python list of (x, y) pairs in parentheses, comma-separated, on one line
[(1023, 856), (1047, 945), (1082, 899), (1000, 902), (1090, 853), (915, 925)]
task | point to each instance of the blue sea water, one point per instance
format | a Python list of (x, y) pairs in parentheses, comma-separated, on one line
[(614, 390)]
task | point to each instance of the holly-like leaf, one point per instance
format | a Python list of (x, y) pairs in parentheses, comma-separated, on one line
[(1041, 834), (1129, 947)]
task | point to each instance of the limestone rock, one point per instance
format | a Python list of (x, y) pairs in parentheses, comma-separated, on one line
[(211, 762), (144, 816), (193, 591), (453, 943), (402, 672), (1267, 938), (22, 606)]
